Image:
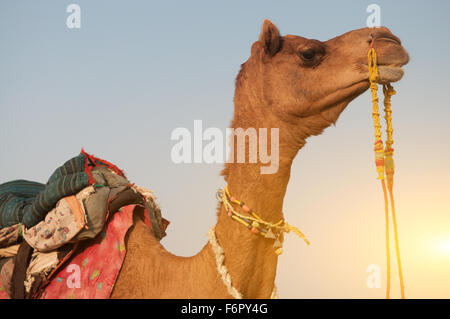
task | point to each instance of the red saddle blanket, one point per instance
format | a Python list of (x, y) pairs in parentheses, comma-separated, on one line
[(92, 272)]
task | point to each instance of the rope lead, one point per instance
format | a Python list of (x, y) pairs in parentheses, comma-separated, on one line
[(384, 162)]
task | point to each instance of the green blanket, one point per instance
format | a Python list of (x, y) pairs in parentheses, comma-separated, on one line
[(29, 202)]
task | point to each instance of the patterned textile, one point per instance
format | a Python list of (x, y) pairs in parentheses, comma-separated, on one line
[(92, 271), (29, 202), (87, 275), (97, 202), (88, 223), (16, 198), (9, 235), (65, 181), (60, 225)]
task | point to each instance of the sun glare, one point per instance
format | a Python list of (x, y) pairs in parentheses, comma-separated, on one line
[(443, 246)]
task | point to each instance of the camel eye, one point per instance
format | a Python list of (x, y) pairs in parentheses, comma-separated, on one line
[(308, 55)]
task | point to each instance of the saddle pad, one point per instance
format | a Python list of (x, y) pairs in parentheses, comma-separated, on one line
[(87, 275), (96, 277)]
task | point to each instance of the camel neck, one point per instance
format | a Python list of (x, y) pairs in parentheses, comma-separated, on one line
[(251, 258)]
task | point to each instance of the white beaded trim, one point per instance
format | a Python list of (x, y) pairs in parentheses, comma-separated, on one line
[(222, 269)]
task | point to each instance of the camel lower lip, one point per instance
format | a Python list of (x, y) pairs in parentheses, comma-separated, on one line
[(389, 73)]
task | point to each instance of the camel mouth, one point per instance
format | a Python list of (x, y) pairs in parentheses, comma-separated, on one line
[(391, 58), (390, 73), (389, 38)]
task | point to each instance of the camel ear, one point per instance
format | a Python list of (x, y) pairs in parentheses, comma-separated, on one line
[(270, 38)]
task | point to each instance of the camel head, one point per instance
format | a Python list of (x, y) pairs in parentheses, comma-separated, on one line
[(310, 82)]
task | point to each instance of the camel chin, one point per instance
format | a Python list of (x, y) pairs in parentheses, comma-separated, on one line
[(389, 74)]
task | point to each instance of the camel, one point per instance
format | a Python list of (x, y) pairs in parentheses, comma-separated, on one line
[(300, 86)]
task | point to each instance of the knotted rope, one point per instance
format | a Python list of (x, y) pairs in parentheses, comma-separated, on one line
[(384, 162), (255, 223)]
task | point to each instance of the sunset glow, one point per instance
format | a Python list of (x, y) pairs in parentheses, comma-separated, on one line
[(443, 247), (137, 79)]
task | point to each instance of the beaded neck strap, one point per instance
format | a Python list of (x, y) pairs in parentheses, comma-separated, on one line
[(256, 224)]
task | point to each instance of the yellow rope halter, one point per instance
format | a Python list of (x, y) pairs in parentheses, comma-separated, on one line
[(255, 223), (384, 162)]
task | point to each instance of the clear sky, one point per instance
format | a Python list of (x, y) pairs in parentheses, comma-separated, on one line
[(136, 70)]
